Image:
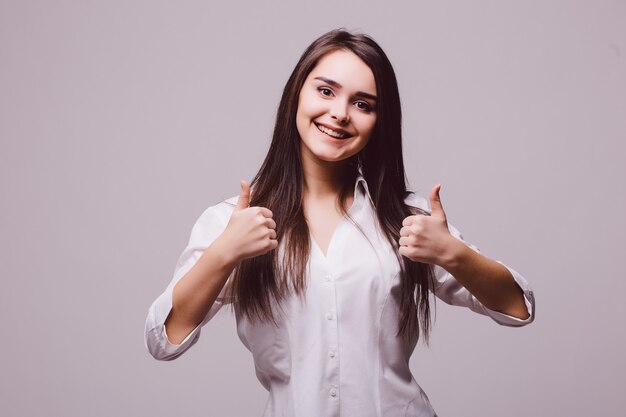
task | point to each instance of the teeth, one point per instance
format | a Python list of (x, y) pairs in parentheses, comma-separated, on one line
[(331, 132)]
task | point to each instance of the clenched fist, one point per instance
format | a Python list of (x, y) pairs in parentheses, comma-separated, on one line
[(251, 231), (427, 238)]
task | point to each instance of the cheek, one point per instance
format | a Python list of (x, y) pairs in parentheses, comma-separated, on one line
[(304, 104), (366, 131), (367, 128), (302, 116), (300, 125)]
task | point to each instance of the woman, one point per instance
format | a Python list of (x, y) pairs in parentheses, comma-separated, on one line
[(329, 261)]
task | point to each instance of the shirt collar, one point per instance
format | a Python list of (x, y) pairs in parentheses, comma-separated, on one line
[(362, 190)]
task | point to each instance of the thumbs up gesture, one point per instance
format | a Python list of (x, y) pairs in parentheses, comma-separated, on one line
[(427, 238), (251, 230)]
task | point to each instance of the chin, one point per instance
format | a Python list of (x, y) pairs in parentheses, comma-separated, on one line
[(329, 155)]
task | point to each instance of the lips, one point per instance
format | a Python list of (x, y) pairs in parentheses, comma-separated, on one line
[(334, 132)]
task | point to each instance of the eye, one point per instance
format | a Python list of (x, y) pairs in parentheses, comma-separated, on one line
[(363, 105), (325, 91)]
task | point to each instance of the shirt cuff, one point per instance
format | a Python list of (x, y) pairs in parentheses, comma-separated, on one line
[(529, 299), (170, 348), (157, 341)]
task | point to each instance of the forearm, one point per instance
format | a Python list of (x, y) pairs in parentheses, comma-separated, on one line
[(489, 281), (194, 294)]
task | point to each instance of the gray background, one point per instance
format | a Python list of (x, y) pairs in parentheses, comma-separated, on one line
[(121, 122)]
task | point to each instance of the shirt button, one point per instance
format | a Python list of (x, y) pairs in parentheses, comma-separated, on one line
[(330, 316), (333, 392), (331, 353), (328, 278)]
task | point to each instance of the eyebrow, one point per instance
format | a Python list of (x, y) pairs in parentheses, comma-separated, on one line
[(337, 85)]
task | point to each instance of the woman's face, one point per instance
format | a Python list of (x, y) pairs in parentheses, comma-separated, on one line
[(336, 108)]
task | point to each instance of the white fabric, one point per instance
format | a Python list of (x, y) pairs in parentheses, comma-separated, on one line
[(336, 353)]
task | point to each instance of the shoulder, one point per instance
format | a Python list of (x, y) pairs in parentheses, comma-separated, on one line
[(219, 213)]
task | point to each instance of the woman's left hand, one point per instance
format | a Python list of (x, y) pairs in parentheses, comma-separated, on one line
[(427, 238)]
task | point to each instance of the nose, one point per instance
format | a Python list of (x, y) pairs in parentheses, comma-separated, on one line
[(339, 112)]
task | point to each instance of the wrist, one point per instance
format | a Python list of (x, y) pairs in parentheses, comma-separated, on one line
[(455, 255), (224, 253)]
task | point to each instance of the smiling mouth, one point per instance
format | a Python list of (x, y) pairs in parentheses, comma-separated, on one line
[(333, 133)]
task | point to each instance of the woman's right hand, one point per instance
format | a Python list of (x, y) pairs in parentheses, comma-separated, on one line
[(251, 231)]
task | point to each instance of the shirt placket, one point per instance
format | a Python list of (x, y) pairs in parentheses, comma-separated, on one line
[(331, 339), (326, 281)]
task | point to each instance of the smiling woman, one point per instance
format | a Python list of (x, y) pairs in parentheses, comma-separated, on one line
[(334, 119), (327, 258)]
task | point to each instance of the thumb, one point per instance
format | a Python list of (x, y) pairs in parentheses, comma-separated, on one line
[(244, 196), (435, 203)]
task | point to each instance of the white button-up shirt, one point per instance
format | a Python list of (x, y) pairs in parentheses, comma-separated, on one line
[(335, 352)]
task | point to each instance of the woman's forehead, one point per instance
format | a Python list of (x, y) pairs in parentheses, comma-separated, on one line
[(346, 69)]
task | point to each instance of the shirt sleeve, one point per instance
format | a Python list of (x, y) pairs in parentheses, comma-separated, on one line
[(206, 229), (450, 291)]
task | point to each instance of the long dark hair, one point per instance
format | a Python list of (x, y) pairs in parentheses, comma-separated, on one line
[(260, 283)]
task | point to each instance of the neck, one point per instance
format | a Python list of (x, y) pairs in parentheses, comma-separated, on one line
[(323, 179)]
